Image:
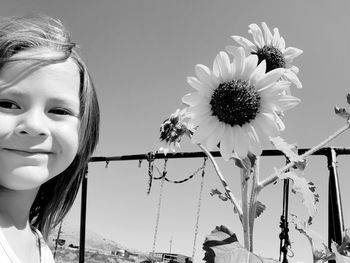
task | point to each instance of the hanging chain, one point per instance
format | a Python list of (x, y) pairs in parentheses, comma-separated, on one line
[(158, 216), (150, 159), (164, 173), (161, 175), (198, 210)]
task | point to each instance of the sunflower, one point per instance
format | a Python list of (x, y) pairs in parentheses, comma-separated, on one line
[(172, 130), (271, 48), (236, 104)]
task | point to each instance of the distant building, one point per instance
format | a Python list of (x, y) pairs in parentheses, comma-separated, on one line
[(171, 258)]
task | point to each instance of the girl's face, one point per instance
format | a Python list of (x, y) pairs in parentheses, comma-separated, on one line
[(39, 122)]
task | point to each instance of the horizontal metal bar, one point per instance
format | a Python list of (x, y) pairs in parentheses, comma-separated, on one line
[(323, 151)]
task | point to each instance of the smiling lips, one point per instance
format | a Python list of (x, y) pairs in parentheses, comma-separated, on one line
[(28, 152)]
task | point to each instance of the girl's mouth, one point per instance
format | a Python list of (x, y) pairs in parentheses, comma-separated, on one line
[(28, 153)]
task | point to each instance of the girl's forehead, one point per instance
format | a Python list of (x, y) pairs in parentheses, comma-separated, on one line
[(11, 70)]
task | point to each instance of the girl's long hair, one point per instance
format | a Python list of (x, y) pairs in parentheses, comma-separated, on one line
[(56, 196)]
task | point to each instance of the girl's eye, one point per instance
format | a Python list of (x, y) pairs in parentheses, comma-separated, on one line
[(6, 104), (60, 111)]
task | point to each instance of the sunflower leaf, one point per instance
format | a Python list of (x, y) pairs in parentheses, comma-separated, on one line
[(306, 189), (320, 250), (341, 112), (260, 208), (290, 151)]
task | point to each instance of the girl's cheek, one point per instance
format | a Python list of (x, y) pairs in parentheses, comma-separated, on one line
[(7, 123)]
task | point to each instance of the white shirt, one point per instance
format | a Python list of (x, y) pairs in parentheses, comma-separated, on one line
[(7, 255)]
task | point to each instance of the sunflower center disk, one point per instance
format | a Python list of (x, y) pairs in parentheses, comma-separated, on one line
[(273, 56), (235, 102)]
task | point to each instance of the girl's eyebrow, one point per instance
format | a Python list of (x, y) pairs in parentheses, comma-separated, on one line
[(12, 92), (66, 101)]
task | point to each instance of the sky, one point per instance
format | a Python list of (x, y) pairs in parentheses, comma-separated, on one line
[(139, 54)]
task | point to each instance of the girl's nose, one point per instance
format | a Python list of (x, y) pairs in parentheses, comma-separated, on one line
[(32, 123)]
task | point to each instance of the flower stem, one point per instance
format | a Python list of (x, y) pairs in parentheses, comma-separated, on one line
[(273, 177), (222, 179), (253, 201), (245, 207)]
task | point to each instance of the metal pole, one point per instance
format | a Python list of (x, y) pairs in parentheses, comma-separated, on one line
[(284, 236), (335, 212), (83, 217)]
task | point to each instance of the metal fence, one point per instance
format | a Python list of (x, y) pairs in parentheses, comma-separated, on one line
[(335, 212)]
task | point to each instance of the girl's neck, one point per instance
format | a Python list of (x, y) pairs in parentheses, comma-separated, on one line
[(15, 207)]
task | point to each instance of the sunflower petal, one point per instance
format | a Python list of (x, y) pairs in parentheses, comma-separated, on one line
[(215, 137), (286, 102), (235, 137), (203, 73), (255, 31), (292, 77), (275, 90), (245, 43), (267, 34), (238, 63), (199, 109), (242, 143), (276, 38), (231, 50), (291, 53), (204, 129), (294, 69), (279, 122), (264, 140), (226, 143), (250, 64), (269, 78), (198, 119), (282, 47), (193, 99), (254, 141), (258, 73), (268, 125), (221, 67), (203, 88)]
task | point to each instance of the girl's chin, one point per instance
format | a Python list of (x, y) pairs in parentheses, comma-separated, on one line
[(25, 178)]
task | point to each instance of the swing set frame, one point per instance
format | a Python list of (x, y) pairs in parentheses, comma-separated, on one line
[(335, 212)]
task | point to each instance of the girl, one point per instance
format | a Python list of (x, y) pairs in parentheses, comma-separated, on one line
[(49, 126)]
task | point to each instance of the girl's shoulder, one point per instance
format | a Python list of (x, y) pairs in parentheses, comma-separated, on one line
[(6, 253)]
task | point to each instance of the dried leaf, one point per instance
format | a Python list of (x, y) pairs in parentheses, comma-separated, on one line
[(338, 257), (222, 196), (341, 112), (306, 189), (344, 248), (246, 163), (290, 150), (232, 252), (260, 208)]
